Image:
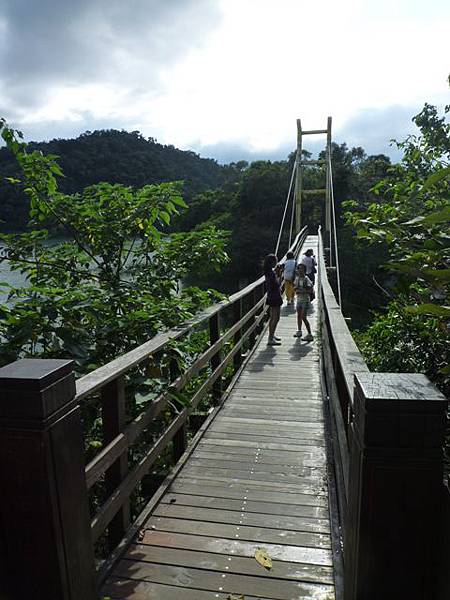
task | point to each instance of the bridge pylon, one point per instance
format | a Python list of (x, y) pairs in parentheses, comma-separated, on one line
[(299, 191)]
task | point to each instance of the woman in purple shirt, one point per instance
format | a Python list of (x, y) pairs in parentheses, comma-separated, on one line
[(274, 299)]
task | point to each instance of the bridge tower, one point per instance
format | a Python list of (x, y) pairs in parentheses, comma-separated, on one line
[(301, 164)]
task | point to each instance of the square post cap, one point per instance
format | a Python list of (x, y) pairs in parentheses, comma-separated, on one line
[(33, 388)]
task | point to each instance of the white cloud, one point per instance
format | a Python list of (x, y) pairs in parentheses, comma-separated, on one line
[(234, 73)]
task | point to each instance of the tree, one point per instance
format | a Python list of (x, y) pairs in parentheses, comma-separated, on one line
[(412, 219), (115, 280), (113, 156)]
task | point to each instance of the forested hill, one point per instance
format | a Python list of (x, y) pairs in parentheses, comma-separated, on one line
[(112, 156)]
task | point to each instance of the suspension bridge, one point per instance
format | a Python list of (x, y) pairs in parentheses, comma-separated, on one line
[(311, 477)]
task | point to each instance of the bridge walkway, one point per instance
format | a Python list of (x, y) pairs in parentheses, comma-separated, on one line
[(256, 479)]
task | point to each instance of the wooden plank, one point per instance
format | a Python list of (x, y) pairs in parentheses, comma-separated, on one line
[(290, 436), (216, 582), (270, 508), (269, 461), (265, 440), (237, 547), (274, 433), (249, 448), (289, 402), (132, 589), (232, 517), (311, 418), (261, 445), (306, 417), (256, 464), (244, 492), (270, 422), (238, 565), (314, 489), (254, 474)]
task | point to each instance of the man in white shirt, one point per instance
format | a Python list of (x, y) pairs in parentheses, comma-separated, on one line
[(309, 260)]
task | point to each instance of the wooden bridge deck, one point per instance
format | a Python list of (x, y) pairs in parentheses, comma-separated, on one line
[(256, 479)]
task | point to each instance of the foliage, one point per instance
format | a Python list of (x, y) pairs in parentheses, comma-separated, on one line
[(412, 215), (399, 341), (113, 156), (115, 280)]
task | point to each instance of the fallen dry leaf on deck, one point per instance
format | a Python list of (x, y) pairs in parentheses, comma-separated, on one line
[(263, 558), (141, 534), (235, 597)]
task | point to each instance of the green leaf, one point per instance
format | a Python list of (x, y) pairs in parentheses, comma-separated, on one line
[(429, 309), (438, 274), (179, 201), (442, 216), (435, 177), (164, 216)]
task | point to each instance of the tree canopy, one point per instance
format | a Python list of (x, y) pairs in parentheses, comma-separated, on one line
[(112, 156)]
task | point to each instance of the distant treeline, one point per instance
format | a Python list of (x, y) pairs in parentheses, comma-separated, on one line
[(111, 156)]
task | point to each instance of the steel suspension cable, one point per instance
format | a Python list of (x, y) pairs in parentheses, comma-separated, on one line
[(286, 207), (336, 253)]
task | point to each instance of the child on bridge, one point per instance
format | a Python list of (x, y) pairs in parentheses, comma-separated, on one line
[(304, 288), (289, 275)]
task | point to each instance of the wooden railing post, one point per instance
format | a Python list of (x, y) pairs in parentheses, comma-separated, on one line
[(114, 422), (214, 335), (237, 313), (43, 499), (395, 487)]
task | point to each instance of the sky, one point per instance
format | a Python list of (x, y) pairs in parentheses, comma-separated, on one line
[(225, 78)]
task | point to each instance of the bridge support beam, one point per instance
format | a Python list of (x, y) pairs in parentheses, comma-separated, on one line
[(44, 520), (395, 476)]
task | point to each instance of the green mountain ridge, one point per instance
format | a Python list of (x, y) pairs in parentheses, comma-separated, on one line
[(112, 156)]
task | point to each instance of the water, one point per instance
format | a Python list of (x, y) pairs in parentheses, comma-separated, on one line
[(14, 278)]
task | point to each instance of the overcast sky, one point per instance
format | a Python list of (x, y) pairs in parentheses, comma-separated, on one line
[(226, 78)]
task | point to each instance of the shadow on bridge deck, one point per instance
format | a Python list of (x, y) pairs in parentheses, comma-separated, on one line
[(256, 479)]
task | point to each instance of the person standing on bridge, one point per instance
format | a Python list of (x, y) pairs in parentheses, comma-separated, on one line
[(289, 275), (274, 299), (309, 260), (304, 288)]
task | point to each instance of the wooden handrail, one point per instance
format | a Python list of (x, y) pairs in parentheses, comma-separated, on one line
[(350, 358), (340, 360)]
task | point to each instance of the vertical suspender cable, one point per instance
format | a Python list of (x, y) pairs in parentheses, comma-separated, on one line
[(333, 227), (285, 208)]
